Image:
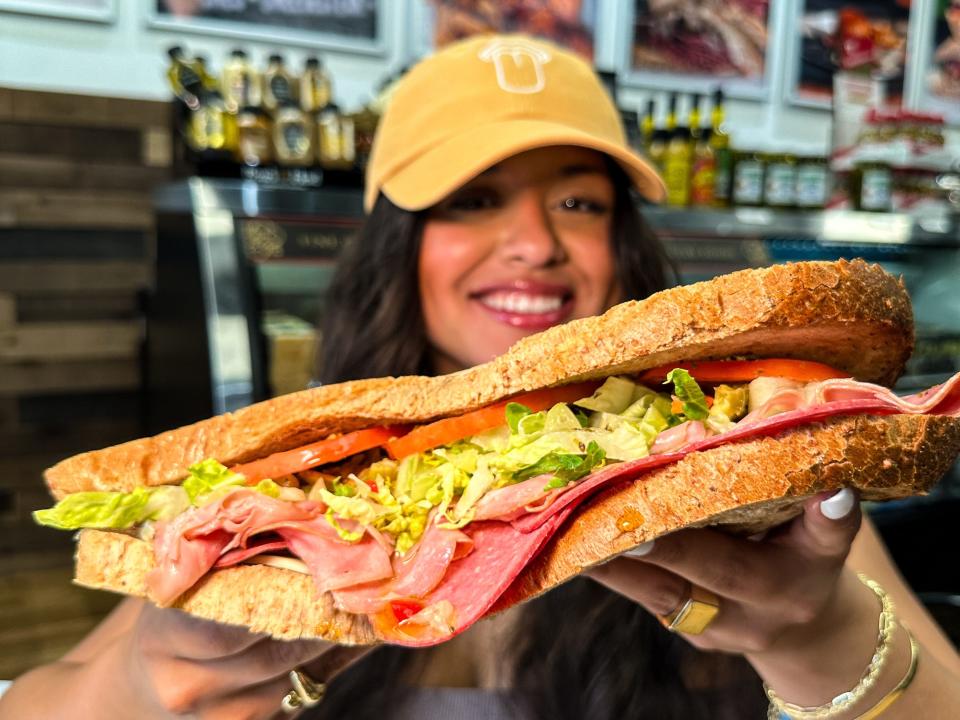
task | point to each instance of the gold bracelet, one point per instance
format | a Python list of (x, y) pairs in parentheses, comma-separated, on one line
[(891, 697), (887, 623)]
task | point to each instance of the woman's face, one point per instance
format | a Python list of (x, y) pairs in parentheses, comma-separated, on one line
[(524, 246)]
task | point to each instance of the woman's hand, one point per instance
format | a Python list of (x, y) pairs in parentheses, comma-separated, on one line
[(155, 664), (209, 671), (784, 597)]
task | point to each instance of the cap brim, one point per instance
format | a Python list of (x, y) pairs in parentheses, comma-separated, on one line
[(441, 170)]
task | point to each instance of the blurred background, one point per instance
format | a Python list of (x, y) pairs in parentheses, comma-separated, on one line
[(177, 178)]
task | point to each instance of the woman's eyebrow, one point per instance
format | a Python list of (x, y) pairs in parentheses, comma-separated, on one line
[(571, 170)]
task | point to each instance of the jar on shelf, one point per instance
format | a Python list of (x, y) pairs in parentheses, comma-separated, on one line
[(748, 172)]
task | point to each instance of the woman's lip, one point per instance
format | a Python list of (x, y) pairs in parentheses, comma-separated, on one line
[(531, 321), (526, 285)]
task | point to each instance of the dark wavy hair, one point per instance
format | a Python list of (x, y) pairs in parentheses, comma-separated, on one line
[(580, 651)]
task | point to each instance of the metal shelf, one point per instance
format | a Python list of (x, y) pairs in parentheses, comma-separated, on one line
[(827, 226)]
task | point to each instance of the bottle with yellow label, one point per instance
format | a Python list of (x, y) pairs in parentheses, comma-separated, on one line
[(647, 128), (255, 137), (240, 83), (212, 128), (279, 84), (185, 77), (677, 164), (719, 142), (316, 88), (337, 146), (661, 137), (293, 136)]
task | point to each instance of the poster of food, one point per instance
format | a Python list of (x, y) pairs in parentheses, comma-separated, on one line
[(867, 37), (352, 19), (943, 77), (709, 38), (567, 22)]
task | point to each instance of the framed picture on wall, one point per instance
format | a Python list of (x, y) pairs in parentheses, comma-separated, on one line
[(348, 25), (571, 23), (938, 44), (93, 10), (867, 37), (696, 45)]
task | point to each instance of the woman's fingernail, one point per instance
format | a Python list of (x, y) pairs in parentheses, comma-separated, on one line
[(640, 550), (839, 505)]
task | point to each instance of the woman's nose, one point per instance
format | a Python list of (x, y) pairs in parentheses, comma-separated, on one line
[(530, 236)]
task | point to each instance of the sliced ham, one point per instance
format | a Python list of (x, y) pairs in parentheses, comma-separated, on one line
[(333, 563), (507, 502), (473, 584), (677, 437), (258, 547), (414, 575)]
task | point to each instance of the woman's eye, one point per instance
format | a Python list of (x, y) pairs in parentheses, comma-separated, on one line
[(577, 204), (473, 203)]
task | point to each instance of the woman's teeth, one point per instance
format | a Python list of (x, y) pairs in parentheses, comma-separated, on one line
[(522, 303)]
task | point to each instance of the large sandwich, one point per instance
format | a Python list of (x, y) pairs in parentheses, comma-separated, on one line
[(404, 510)]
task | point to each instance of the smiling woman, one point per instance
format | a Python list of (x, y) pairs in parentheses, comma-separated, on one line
[(524, 246)]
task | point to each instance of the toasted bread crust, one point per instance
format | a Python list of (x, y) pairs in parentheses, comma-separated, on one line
[(851, 315), (754, 483)]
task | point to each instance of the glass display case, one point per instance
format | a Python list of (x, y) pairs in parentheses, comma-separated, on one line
[(241, 271)]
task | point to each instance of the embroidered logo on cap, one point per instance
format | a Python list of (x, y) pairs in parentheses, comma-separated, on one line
[(519, 65)]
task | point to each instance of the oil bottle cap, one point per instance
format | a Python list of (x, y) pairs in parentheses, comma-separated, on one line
[(239, 52), (175, 52), (313, 62), (276, 58)]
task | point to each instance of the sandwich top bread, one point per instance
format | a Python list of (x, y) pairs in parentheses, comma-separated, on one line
[(488, 502)]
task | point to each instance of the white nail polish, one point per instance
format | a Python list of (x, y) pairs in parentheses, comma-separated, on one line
[(839, 505), (640, 550)]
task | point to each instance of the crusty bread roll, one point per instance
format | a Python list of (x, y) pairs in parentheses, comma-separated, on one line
[(851, 315)]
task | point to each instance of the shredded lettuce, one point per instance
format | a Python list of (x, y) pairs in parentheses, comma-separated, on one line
[(614, 396), (348, 535), (564, 468), (516, 412), (689, 394), (114, 510), (209, 480)]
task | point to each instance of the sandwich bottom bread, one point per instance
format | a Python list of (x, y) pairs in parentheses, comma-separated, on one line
[(403, 510)]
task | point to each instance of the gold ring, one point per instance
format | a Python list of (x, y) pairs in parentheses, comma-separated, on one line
[(306, 692), (694, 615)]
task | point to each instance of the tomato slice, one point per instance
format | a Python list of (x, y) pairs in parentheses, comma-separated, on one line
[(318, 453), (403, 609), (712, 371), (449, 430)]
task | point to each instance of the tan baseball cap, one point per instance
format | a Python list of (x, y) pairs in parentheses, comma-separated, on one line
[(485, 99)]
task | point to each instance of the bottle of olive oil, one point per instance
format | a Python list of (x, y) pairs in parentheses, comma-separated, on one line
[(723, 156), (316, 88), (279, 84), (240, 83), (293, 136), (213, 129), (647, 127), (703, 170), (661, 136), (255, 137), (677, 163), (185, 77)]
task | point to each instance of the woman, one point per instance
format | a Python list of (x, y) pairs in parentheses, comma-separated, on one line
[(500, 204)]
